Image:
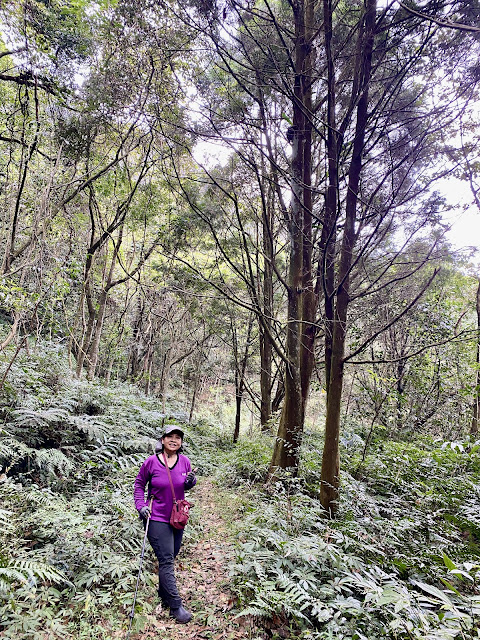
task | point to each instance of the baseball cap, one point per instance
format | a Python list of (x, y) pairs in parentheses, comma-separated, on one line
[(172, 428)]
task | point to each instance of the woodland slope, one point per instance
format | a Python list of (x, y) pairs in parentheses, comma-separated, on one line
[(261, 561)]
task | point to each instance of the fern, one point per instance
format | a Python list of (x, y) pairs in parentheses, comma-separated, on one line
[(41, 417), (24, 571), (90, 425), (52, 460)]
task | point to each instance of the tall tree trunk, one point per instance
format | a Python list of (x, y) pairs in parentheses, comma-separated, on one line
[(87, 336), (196, 385), (265, 341), (102, 308), (309, 298), (265, 380), (87, 294), (134, 356), (238, 405), (162, 385), (149, 366), (290, 431), (326, 266), (476, 401), (271, 192), (240, 371), (400, 388), (331, 456), (10, 253), (92, 356)]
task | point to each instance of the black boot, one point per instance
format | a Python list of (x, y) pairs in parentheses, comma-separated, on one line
[(181, 615)]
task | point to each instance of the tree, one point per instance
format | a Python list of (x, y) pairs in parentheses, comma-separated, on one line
[(363, 135)]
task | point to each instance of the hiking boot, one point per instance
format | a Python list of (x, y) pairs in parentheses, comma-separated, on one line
[(181, 615)]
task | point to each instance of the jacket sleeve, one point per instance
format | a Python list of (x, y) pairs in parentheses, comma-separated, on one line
[(139, 486)]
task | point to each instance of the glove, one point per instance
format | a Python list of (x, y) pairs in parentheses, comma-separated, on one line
[(190, 480), (144, 512)]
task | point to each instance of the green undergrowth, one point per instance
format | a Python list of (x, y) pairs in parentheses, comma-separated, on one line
[(69, 536), (401, 560)]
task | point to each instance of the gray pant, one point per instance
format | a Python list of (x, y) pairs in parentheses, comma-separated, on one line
[(166, 542)]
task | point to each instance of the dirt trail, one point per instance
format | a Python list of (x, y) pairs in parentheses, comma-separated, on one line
[(202, 577)]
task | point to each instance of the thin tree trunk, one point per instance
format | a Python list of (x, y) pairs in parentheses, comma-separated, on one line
[(102, 308), (10, 254), (331, 456), (238, 405), (266, 352), (87, 294), (240, 371), (85, 344), (196, 384), (476, 401), (12, 333), (162, 386), (92, 355), (149, 367), (326, 269), (108, 376)]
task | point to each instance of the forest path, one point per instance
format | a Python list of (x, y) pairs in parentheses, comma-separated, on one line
[(203, 582)]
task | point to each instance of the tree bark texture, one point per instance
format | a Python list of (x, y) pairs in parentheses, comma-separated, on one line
[(301, 296), (331, 457), (240, 371), (266, 351), (476, 402)]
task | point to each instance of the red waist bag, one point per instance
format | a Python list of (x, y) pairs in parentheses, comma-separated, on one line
[(180, 513)]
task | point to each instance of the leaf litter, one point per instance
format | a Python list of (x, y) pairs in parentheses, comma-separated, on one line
[(203, 582)]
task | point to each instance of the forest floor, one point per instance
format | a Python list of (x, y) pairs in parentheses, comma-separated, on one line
[(203, 582)]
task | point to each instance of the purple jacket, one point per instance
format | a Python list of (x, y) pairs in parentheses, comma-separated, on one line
[(153, 473)]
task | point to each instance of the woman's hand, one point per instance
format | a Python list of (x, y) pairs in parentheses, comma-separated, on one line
[(145, 512), (190, 479)]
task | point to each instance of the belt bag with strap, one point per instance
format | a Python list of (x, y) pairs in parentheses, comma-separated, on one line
[(181, 508)]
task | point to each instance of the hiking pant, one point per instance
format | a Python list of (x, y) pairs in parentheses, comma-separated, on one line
[(166, 542)]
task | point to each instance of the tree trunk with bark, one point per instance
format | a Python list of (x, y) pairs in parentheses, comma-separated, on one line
[(335, 373), (476, 402), (301, 299), (240, 371), (266, 352)]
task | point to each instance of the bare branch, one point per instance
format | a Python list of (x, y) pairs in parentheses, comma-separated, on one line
[(439, 22)]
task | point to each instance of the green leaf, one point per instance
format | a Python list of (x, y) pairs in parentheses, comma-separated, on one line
[(433, 591), (448, 563), (450, 586)]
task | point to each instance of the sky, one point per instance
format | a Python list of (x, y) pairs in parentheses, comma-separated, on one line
[(464, 217)]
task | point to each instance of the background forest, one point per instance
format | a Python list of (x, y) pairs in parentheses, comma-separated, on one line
[(229, 215)]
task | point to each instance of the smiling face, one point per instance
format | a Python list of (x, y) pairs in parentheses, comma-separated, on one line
[(172, 442)]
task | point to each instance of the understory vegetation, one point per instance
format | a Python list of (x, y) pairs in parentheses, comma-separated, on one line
[(400, 561), (240, 216)]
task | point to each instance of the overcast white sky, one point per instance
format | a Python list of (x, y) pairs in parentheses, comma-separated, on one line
[(465, 221)]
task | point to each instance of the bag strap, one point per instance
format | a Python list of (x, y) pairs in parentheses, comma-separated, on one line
[(170, 478)]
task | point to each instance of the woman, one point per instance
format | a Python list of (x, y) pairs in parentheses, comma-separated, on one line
[(164, 539)]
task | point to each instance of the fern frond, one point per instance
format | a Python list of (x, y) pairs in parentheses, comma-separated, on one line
[(40, 570), (23, 571), (5, 521), (52, 460), (9, 575), (91, 425), (40, 417)]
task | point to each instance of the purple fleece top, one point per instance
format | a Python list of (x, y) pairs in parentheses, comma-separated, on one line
[(154, 473)]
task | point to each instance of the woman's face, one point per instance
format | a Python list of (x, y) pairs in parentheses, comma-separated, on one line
[(172, 442)]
